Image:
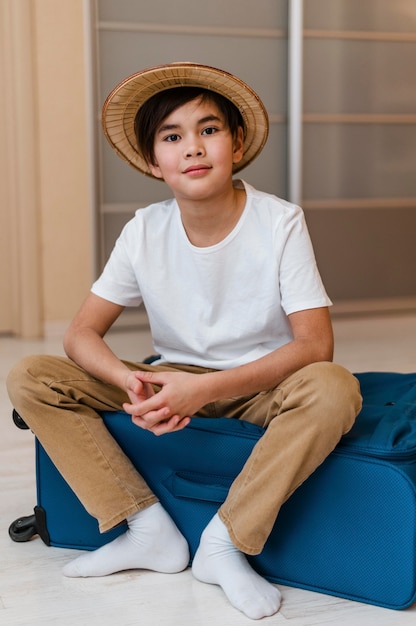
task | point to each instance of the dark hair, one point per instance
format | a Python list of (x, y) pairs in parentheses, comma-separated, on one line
[(152, 113)]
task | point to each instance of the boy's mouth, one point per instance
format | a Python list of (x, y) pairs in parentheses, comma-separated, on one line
[(196, 169)]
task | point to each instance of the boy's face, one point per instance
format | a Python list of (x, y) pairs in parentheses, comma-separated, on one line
[(195, 151)]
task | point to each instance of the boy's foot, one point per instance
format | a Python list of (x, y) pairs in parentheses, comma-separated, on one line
[(152, 542), (219, 562)]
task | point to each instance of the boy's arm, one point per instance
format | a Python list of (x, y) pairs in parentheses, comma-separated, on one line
[(184, 394), (313, 341), (84, 343)]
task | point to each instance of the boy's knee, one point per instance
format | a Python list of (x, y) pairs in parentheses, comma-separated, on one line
[(329, 373), (17, 374), (328, 390), (338, 390), (22, 368), (340, 380), (23, 377)]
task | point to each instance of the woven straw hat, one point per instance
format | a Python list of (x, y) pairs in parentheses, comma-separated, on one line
[(122, 104)]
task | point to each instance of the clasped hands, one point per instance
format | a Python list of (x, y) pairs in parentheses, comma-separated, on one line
[(168, 409)]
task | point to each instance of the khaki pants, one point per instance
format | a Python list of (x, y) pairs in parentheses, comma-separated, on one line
[(305, 416)]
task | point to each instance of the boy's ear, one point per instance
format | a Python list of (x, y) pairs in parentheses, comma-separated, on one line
[(238, 150), (155, 170)]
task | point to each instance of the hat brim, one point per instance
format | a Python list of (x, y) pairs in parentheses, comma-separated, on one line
[(122, 104)]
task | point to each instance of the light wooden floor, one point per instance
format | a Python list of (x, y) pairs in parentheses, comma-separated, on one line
[(32, 590)]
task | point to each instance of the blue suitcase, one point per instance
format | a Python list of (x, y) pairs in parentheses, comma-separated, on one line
[(348, 531)]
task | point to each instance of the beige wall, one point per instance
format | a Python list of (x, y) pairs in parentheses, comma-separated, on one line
[(63, 156), (45, 201)]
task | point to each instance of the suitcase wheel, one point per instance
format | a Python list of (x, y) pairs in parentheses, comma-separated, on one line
[(23, 529), (18, 421)]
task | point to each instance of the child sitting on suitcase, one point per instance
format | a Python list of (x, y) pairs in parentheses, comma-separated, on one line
[(238, 315)]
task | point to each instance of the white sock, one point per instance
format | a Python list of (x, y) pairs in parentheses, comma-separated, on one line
[(152, 541), (218, 562)]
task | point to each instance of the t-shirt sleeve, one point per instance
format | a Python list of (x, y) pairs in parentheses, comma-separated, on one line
[(301, 286), (118, 282)]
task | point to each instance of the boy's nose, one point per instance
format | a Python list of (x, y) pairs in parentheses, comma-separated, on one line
[(196, 152), (194, 148)]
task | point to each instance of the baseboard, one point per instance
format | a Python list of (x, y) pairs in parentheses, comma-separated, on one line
[(129, 319), (373, 306), (132, 319)]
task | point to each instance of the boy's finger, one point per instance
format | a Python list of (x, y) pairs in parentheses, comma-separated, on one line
[(174, 424)]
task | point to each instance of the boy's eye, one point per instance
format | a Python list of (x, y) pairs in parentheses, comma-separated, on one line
[(209, 131)]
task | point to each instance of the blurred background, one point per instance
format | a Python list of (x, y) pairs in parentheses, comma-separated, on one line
[(337, 77)]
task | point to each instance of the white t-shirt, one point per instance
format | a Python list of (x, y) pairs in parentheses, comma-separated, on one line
[(223, 305)]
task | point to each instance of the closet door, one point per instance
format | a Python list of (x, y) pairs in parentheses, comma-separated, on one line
[(359, 149)]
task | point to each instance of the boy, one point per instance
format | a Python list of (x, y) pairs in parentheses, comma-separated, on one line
[(238, 314)]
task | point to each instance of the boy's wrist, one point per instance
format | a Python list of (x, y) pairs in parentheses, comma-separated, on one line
[(121, 375), (215, 386)]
